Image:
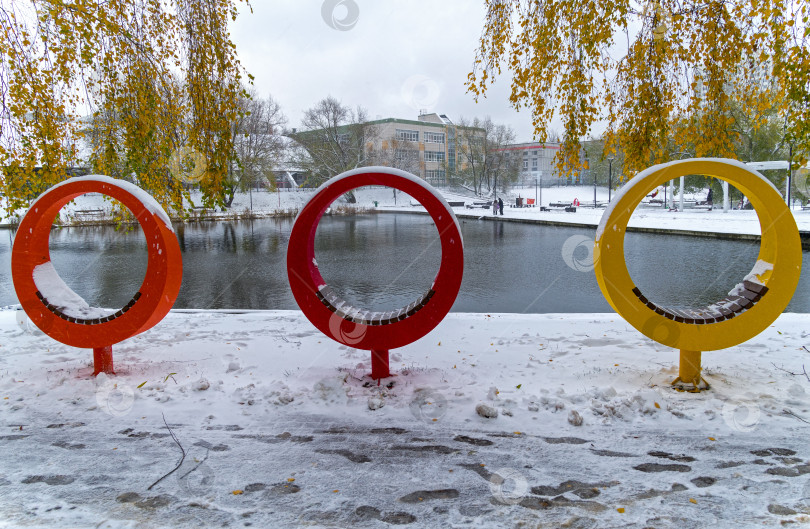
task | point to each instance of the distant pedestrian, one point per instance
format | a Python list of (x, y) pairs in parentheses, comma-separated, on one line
[(500, 205), (494, 206)]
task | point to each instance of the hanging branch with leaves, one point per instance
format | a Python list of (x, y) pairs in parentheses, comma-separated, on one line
[(138, 80), (660, 74)]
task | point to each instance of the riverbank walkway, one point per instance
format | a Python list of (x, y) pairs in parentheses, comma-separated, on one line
[(269, 423), (733, 224)]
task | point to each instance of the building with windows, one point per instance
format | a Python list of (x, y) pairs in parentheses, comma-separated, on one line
[(427, 146), (535, 161)]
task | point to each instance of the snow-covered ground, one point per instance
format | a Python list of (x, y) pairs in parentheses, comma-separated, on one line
[(281, 427), (382, 199), (690, 220)]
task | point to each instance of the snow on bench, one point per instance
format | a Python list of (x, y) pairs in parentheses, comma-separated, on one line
[(346, 311), (563, 205), (68, 305), (87, 214), (87, 321), (741, 298)]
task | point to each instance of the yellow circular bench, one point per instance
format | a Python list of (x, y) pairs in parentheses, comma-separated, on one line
[(749, 309)]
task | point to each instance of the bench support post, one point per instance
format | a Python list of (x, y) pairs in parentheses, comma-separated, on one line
[(103, 360), (689, 378), (379, 364)]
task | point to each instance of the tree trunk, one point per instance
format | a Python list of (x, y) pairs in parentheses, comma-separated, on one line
[(229, 197)]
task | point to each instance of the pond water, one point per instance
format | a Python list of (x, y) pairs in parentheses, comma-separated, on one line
[(385, 261)]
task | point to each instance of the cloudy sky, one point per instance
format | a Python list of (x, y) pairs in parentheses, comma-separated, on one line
[(391, 57)]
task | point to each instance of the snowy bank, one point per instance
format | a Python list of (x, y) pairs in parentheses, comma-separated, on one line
[(94, 208), (281, 428)]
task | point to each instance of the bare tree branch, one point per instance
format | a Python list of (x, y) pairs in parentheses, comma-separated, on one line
[(181, 459)]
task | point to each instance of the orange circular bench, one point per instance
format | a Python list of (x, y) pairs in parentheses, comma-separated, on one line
[(64, 315)]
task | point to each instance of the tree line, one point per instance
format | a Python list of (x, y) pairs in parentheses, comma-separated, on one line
[(756, 135), (157, 92), (664, 76), (158, 78)]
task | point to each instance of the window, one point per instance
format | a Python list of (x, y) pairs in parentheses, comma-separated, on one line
[(534, 163), (405, 155), (434, 137), (525, 164), (407, 135), (435, 177), (434, 156)]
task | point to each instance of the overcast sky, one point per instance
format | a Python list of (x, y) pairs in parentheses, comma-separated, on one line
[(391, 57)]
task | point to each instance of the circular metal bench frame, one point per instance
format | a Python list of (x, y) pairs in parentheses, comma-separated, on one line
[(152, 301), (362, 329), (755, 303)]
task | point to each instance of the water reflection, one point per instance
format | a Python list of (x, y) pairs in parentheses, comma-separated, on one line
[(100, 263), (682, 272), (385, 261), (378, 262)]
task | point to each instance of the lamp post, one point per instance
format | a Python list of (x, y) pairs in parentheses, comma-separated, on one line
[(540, 201), (495, 181), (588, 168), (789, 175), (680, 194), (610, 175)]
